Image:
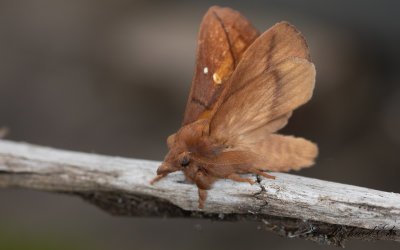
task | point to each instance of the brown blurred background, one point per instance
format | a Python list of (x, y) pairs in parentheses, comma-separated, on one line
[(112, 77)]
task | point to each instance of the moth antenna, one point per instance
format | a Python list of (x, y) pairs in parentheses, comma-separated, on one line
[(166, 168), (157, 178)]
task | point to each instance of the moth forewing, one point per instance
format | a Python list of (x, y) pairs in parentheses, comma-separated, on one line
[(223, 37)]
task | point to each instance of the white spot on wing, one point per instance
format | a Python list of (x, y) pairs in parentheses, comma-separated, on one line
[(217, 79), (205, 70)]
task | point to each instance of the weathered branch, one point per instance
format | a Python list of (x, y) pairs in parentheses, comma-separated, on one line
[(291, 205)]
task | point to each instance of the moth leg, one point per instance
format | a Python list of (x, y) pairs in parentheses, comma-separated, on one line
[(256, 171), (236, 177), (202, 197), (157, 178)]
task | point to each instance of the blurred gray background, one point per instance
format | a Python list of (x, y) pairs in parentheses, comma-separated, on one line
[(112, 77)]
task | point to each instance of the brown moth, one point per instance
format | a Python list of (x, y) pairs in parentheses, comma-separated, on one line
[(244, 90)]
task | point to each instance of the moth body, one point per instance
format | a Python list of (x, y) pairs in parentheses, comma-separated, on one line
[(244, 89)]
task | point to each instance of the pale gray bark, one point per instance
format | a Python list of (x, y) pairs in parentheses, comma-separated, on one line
[(291, 205)]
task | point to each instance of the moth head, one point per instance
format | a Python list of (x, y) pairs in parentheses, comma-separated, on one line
[(176, 159)]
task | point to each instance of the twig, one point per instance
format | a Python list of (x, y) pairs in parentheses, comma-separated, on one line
[(290, 205)]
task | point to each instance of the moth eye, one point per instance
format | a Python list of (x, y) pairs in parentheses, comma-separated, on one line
[(185, 161)]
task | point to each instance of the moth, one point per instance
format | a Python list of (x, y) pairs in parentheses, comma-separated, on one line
[(244, 89)]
